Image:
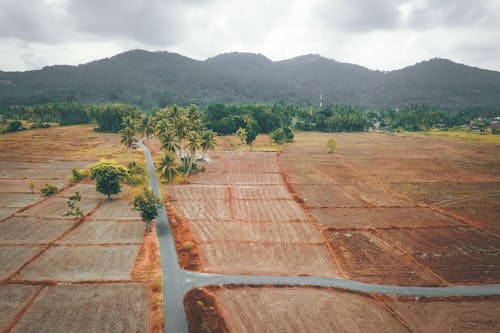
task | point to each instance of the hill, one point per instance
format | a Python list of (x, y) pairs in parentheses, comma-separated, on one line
[(161, 78)]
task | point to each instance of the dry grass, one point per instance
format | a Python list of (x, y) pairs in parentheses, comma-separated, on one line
[(466, 135)]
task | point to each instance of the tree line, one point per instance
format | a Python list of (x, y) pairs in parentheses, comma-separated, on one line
[(252, 118)]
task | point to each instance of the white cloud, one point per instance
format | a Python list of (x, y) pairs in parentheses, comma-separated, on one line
[(386, 34)]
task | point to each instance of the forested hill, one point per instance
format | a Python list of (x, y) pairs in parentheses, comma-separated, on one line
[(160, 78)]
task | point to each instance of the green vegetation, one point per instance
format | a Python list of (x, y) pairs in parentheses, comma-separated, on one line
[(49, 189), (331, 144), (77, 175), (108, 174), (147, 204), (181, 134), (73, 208)]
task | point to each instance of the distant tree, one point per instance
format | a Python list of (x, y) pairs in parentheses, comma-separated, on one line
[(148, 205), (331, 143), (108, 174), (242, 134)]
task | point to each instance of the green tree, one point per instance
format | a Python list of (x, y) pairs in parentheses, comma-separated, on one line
[(147, 204), (108, 174), (168, 166)]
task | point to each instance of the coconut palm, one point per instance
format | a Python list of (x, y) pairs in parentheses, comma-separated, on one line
[(168, 166), (208, 141), (168, 140), (127, 136)]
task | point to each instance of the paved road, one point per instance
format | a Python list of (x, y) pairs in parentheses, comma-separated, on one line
[(176, 281)]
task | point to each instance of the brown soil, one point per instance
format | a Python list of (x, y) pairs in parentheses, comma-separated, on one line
[(242, 219), (430, 205), (147, 269), (47, 157), (301, 309), (202, 312), (458, 255), (117, 307), (475, 314), (190, 258), (361, 253)]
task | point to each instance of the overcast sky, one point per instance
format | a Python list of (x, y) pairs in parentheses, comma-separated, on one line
[(378, 34)]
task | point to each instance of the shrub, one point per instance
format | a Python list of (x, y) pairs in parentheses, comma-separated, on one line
[(15, 126), (78, 175), (278, 136), (49, 189)]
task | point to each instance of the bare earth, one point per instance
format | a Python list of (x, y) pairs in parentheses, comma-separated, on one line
[(245, 221), (47, 258)]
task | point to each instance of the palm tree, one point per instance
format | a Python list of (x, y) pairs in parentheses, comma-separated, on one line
[(127, 136), (168, 166), (145, 125), (242, 134), (168, 141), (129, 122), (194, 142), (208, 141)]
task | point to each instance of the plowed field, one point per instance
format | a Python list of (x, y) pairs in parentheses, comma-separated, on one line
[(45, 256), (431, 205), (303, 310), (244, 220)]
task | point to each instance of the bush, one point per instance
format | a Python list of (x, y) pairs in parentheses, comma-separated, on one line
[(79, 175), (15, 126), (278, 136), (137, 174), (49, 189)]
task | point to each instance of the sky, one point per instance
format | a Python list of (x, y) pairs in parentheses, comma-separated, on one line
[(377, 34)]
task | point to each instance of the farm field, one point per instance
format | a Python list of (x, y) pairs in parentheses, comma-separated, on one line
[(372, 218), (60, 274), (244, 221), (402, 209), (306, 309)]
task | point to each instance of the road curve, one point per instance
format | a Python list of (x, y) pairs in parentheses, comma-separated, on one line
[(176, 281)]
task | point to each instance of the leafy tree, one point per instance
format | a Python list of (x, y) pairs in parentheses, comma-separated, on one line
[(147, 204), (108, 174), (73, 208), (168, 166), (331, 143), (242, 134)]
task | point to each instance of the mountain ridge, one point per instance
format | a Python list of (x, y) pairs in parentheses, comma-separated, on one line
[(158, 78)]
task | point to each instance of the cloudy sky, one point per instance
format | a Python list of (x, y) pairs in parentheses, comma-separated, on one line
[(378, 34)]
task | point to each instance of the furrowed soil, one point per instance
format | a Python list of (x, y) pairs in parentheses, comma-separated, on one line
[(242, 220), (99, 273), (401, 209)]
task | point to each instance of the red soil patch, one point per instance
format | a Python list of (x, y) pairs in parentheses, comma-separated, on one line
[(407, 188), (458, 255), (202, 312), (147, 269), (189, 258), (365, 257)]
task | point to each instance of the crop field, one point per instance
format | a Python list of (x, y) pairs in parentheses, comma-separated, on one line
[(402, 209), (59, 273)]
